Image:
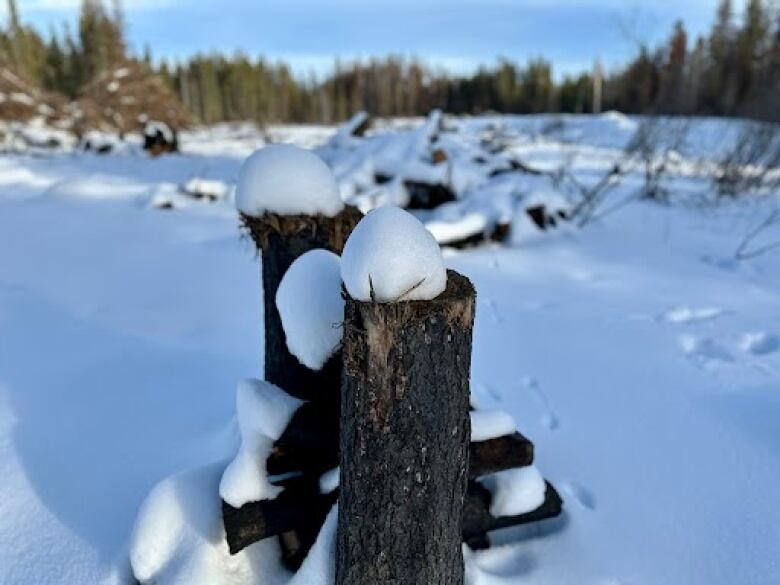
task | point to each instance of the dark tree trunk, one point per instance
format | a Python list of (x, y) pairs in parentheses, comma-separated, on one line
[(281, 239), (405, 439)]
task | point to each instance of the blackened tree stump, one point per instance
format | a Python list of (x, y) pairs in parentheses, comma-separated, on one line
[(405, 433), (281, 239)]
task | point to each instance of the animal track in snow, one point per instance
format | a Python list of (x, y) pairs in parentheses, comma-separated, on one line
[(759, 343), (583, 496), (549, 419), (691, 315), (483, 392), (733, 357), (704, 350), (493, 306)]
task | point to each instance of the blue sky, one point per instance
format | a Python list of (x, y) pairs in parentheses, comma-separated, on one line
[(458, 34)]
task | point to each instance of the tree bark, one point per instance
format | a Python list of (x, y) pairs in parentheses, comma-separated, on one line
[(310, 444), (281, 239), (405, 433)]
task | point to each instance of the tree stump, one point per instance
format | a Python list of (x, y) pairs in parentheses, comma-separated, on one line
[(405, 434), (281, 239)]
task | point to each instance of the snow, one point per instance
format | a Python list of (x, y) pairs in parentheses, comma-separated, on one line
[(312, 322), (98, 187), (515, 491), (206, 188), (391, 257), (490, 424), (329, 481), (123, 329), (759, 343), (263, 411), (446, 232), (287, 180), (179, 538)]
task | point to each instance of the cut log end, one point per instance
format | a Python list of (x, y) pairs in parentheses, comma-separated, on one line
[(327, 232)]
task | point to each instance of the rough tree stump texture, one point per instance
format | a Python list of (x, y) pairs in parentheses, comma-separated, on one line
[(405, 434), (281, 239)]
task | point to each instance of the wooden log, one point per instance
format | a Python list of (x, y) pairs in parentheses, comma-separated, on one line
[(477, 520), (427, 195), (499, 232), (405, 432), (281, 239), (303, 509), (502, 232), (499, 454), (299, 506), (358, 125), (538, 216), (310, 444)]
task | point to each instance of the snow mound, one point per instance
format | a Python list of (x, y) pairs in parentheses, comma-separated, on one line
[(515, 491), (312, 322), (390, 257), (288, 180), (179, 539), (98, 187), (490, 424), (263, 412)]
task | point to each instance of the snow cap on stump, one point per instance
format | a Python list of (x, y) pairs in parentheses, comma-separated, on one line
[(311, 307), (390, 257), (287, 180)]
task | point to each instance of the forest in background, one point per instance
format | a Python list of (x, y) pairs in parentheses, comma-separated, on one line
[(733, 70)]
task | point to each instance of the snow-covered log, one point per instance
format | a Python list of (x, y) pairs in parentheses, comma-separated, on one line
[(159, 138), (302, 507), (478, 521), (545, 218), (405, 436), (290, 204), (355, 127)]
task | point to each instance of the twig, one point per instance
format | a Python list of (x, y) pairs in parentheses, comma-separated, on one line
[(741, 252)]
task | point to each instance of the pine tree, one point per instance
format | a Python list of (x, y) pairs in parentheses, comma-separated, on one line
[(673, 92), (752, 43)]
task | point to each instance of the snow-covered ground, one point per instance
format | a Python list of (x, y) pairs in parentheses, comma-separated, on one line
[(641, 358)]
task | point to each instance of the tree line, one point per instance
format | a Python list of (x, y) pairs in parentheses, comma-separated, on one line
[(733, 69)]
